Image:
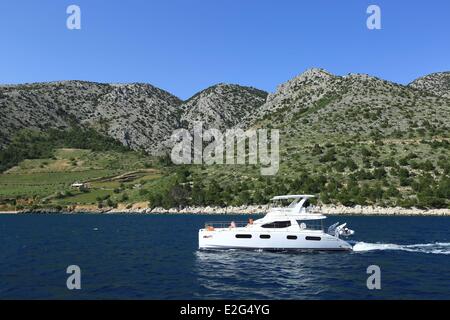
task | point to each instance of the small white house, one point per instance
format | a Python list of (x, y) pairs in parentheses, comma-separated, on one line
[(79, 185)]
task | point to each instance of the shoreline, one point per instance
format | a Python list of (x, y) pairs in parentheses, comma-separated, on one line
[(329, 210)]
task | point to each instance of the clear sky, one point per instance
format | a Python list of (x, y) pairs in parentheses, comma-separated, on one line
[(184, 46)]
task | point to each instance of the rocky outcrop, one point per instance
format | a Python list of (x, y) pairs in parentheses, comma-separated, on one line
[(300, 92), (222, 106), (435, 83)]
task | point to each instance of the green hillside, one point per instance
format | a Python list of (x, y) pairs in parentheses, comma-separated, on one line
[(114, 174)]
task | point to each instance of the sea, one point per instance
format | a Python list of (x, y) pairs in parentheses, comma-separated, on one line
[(156, 257)]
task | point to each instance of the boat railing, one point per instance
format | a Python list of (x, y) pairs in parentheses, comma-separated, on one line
[(225, 224), (314, 211), (308, 210)]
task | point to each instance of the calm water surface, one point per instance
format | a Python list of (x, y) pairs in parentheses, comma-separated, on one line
[(156, 257)]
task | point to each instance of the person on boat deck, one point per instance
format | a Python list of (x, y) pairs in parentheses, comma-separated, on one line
[(232, 224)]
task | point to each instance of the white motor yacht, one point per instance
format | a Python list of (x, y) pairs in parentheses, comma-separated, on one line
[(298, 226)]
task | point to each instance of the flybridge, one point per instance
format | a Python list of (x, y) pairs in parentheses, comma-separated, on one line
[(293, 196), (298, 207)]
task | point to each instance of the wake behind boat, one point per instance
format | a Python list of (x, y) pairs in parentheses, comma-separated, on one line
[(298, 226)]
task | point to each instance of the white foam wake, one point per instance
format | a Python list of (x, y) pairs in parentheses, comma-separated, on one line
[(431, 248)]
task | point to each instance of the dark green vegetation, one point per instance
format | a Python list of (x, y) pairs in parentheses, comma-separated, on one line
[(28, 144), (389, 173)]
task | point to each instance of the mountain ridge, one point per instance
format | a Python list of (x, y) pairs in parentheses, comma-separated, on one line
[(318, 101), (143, 116)]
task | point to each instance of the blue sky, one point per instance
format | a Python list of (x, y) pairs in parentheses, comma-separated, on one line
[(184, 46)]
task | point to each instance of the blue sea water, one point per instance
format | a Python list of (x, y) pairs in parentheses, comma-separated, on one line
[(156, 257)]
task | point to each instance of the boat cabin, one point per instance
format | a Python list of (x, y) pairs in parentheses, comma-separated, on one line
[(292, 211)]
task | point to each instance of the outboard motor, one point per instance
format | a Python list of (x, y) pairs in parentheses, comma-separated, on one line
[(340, 230)]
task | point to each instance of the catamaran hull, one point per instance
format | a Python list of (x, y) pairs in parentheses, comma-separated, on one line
[(271, 241)]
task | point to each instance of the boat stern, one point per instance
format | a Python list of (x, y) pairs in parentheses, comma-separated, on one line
[(204, 238)]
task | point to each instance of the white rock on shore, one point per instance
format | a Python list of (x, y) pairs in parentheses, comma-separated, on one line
[(374, 210), (262, 209)]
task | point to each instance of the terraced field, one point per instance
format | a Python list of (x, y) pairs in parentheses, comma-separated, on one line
[(109, 176)]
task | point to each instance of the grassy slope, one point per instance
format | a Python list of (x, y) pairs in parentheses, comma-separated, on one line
[(47, 182)]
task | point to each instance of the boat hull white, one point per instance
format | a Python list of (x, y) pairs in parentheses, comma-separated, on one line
[(242, 238)]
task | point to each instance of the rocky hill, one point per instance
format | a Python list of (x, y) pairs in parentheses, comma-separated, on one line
[(138, 115), (222, 106), (435, 83), (353, 139), (316, 102), (357, 104)]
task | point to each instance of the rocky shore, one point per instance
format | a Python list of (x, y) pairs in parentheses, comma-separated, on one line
[(327, 210), (247, 210)]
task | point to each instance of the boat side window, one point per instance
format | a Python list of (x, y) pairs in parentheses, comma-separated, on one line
[(310, 224), (243, 236), (277, 225)]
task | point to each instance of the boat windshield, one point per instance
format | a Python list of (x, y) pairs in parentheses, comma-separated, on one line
[(277, 224), (284, 203), (307, 203)]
